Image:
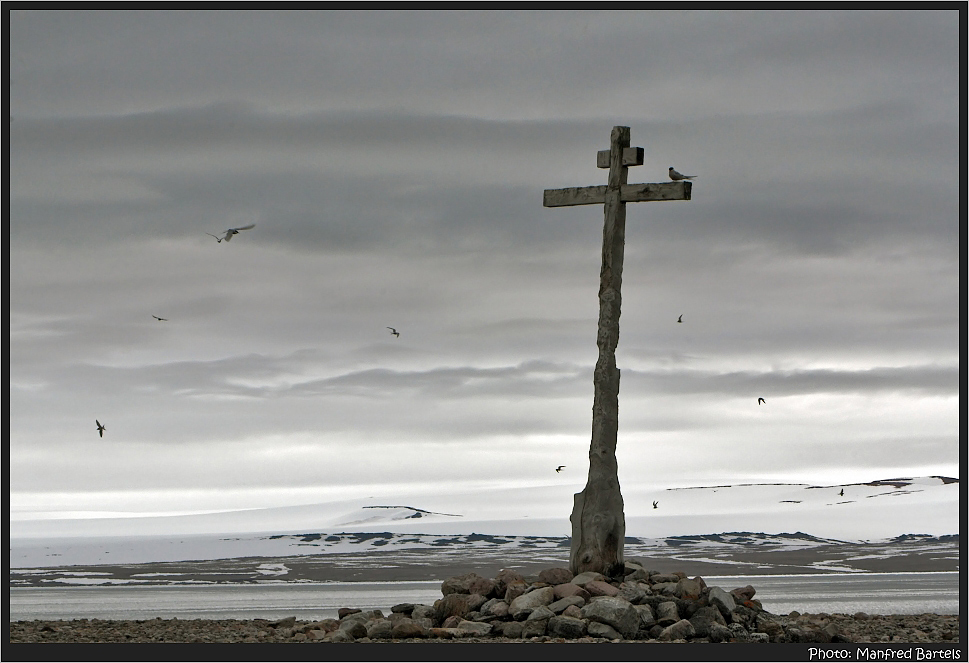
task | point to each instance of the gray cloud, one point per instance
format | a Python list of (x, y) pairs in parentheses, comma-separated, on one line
[(394, 162)]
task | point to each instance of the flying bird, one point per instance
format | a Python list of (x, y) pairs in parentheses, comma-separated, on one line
[(761, 400), (160, 319), (230, 232), (559, 468), (235, 231), (680, 319), (674, 175), (394, 332), (842, 493), (655, 505), (101, 428)]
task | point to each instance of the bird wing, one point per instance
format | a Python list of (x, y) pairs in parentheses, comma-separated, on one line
[(251, 225), (218, 239)]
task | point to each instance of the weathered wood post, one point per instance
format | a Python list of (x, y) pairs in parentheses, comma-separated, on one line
[(598, 521)]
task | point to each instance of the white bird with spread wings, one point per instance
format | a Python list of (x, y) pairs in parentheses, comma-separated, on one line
[(230, 232)]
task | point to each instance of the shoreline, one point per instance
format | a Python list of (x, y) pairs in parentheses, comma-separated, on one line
[(890, 629)]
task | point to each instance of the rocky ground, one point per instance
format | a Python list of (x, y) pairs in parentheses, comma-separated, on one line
[(554, 606), (877, 628)]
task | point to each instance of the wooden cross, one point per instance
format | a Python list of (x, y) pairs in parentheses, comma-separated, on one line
[(598, 523)]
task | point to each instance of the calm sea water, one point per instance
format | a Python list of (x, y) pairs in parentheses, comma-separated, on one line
[(874, 593)]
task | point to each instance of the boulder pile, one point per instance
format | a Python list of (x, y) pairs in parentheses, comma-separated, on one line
[(556, 605)]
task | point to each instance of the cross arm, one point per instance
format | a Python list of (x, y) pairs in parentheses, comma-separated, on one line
[(629, 193)]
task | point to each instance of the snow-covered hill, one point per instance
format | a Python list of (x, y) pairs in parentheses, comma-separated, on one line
[(866, 510)]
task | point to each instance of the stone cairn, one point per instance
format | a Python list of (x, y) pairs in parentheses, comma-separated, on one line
[(557, 606)]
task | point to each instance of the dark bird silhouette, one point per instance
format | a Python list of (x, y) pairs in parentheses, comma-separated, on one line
[(101, 428), (160, 319), (230, 232), (655, 505), (680, 319), (842, 493), (761, 400), (559, 468), (394, 332)]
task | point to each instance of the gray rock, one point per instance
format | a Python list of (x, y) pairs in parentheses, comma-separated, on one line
[(646, 618), (466, 629), (617, 613), (286, 622), (422, 611), (451, 622), (665, 588), (743, 615), (570, 589), (600, 588), (558, 606), (469, 583), (338, 636), (556, 576), (681, 630), (534, 628), (572, 611), (631, 593), (457, 604), (405, 608), (688, 589), (741, 594), (658, 578), (600, 630), (759, 637), (583, 578), (354, 628), (514, 590), (380, 630), (408, 628), (504, 578), (667, 614), (638, 575), (767, 625), (739, 632), (495, 608), (566, 627), (522, 606), (719, 633), (723, 600), (511, 629), (541, 612), (704, 617), (631, 566)]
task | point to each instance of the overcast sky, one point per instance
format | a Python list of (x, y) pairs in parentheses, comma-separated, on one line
[(394, 164)]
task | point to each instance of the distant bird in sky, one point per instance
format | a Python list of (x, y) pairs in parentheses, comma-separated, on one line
[(655, 505), (394, 332), (160, 319), (101, 428), (761, 400), (842, 493), (227, 236), (674, 175), (559, 468), (680, 319)]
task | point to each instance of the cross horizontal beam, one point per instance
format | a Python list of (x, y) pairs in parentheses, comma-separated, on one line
[(628, 193), (631, 156)]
